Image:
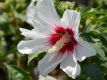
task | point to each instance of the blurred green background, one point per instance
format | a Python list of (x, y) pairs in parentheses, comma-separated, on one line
[(93, 28)]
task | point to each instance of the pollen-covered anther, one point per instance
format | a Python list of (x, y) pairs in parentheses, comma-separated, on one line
[(59, 44)]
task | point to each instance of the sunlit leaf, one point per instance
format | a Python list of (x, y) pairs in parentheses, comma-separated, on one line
[(99, 49), (89, 28), (92, 11)]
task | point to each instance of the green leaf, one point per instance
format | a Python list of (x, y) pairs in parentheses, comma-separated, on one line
[(86, 10), (104, 62), (102, 26), (38, 55), (4, 17), (89, 28), (103, 32), (5, 27), (16, 73), (103, 18), (35, 3), (31, 56), (103, 40), (99, 49), (94, 71), (91, 37), (92, 11), (20, 16), (4, 23)]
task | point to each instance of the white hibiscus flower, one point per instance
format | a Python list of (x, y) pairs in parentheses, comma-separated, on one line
[(29, 12), (59, 37)]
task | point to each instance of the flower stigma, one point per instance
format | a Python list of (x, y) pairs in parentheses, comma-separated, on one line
[(60, 43)]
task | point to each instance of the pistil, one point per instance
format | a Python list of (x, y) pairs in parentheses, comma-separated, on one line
[(60, 43)]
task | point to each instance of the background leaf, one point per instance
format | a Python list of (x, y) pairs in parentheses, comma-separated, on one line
[(92, 11), (16, 73), (94, 71)]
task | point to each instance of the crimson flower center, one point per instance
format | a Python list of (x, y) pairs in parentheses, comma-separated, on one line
[(62, 40)]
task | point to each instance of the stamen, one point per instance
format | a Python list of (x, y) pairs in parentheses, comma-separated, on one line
[(59, 44)]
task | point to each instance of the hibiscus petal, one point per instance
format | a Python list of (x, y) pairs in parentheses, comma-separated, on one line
[(41, 27), (46, 13), (46, 78), (29, 12), (35, 20), (70, 66), (49, 62), (83, 50), (32, 46), (72, 19), (31, 34)]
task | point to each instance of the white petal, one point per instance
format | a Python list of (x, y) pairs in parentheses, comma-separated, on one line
[(72, 19), (29, 12), (32, 46), (83, 50), (42, 28), (31, 34), (46, 13), (23, 30), (70, 66), (46, 78), (34, 0), (49, 62)]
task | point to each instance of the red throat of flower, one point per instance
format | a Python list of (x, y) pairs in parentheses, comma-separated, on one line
[(62, 41)]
